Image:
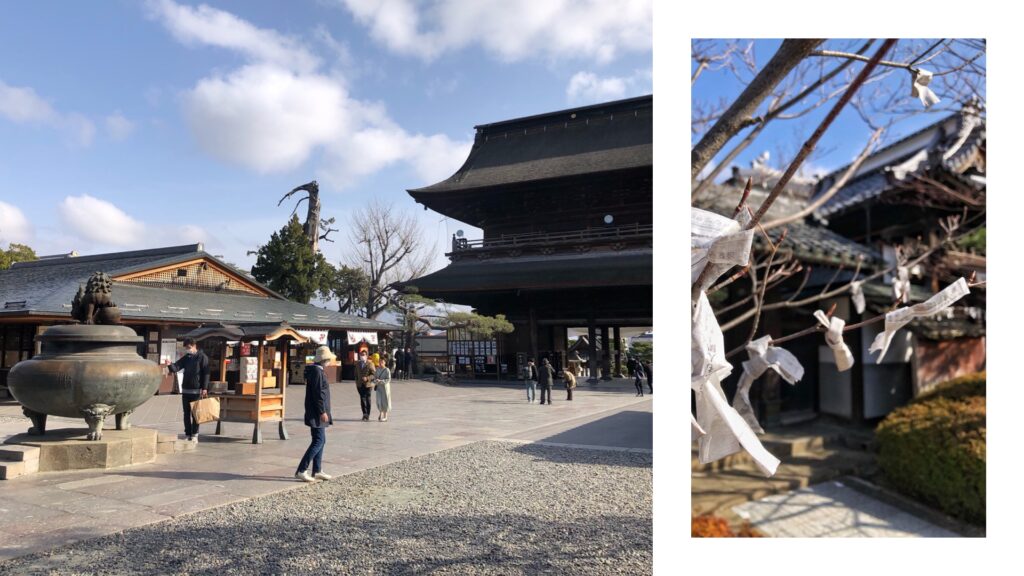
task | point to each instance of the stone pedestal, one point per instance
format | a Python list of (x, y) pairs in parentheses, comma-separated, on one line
[(69, 449)]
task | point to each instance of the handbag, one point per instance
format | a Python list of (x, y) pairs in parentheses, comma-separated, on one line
[(205, 410)]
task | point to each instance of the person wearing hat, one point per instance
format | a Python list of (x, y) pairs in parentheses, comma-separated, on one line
[(317, 415), (545, 378)]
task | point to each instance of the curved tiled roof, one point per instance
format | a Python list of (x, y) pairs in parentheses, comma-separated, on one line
[(593, 139)]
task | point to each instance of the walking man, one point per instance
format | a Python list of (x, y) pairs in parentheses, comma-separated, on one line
[(545, 378), (317, 416), (364, 380), (649, 370), (530, 376), (638, 370), (194, 384), (410, 363)]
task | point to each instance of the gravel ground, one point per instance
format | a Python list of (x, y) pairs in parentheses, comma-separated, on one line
[(485, 508)]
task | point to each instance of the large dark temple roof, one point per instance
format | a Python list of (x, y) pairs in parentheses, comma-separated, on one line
[(627, 268), (581, 141)]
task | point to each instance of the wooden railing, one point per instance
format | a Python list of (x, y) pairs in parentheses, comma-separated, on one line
[(540, 239)]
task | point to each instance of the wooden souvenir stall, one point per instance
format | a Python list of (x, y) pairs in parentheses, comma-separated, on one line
[(249, 374)]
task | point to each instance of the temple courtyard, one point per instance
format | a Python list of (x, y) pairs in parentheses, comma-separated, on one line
[(466, 479)]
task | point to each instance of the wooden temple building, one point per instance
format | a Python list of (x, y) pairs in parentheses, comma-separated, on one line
[(897, 197), (164, 294), (564, 200)]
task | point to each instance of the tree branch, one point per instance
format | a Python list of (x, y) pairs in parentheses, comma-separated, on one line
[(788, 56)]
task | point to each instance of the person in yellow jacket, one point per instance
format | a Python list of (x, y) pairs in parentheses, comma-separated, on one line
[(570, 382)]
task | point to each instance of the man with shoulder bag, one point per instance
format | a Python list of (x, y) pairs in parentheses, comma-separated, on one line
[(194, 385)]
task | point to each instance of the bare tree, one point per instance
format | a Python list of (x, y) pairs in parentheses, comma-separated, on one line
[(313, 222), (388, 246)]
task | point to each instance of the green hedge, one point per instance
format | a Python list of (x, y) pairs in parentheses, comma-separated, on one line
[(933, 449)]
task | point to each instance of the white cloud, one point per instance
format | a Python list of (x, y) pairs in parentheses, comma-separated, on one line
[(119, 127), (213, 27), (587, 87), (99, 221), (510, 29), (271, 116), (22, 105), (14, 227), (88, 224), (266, 118)]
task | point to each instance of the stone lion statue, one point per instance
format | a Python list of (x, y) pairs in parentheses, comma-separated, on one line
[(93, 303)]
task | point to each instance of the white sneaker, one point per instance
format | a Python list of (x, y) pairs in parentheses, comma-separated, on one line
[(322, 476), (304, 476)]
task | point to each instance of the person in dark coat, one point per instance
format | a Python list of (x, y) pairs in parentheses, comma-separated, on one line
[(639, 374), (194, 385), (365, 373), (545, 379), (317, 415), (649, 372), (399, 364), (631, 364)]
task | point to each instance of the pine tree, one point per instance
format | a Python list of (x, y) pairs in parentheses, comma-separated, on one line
[(15, 253), (289, 266)]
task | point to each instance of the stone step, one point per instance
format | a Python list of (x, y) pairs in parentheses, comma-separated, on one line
[(718, 491), (11, 470), (18, 453)]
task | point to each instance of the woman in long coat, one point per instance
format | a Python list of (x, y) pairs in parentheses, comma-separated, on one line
[(317, 415), (383, 378)]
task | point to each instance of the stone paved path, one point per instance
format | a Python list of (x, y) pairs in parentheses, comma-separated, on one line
[(831, 509), (44, 510)]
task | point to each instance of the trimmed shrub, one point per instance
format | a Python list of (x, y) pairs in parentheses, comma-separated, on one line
[(707, 526), (933, 449), (957, 388)]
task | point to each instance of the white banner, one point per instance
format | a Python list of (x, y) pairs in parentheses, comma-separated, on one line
[(357, 337), (318, 337)]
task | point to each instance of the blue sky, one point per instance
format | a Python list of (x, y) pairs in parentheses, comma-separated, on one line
[(848, 135), (128, 125)]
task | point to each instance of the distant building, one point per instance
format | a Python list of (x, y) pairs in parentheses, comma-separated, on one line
[(565, 203), (164, 293), (897, 196)]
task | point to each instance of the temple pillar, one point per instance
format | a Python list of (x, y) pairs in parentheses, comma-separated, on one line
[(533, 335), (606, 356), (592, 352), (618, 352)]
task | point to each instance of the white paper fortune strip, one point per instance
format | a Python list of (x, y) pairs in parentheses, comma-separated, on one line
[(718, 241), (857, 295), (901, 285), (763, 356), (834, 339), (724, 431), (695, 430), (901, 317), (920, 79)]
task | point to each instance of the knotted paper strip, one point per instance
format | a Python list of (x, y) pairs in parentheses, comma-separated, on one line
[(857, 296), (901, 317), (725, 431), (920, 79), (695, 430), (834, 339), (717, 241), (901, 285), (762, 357)]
